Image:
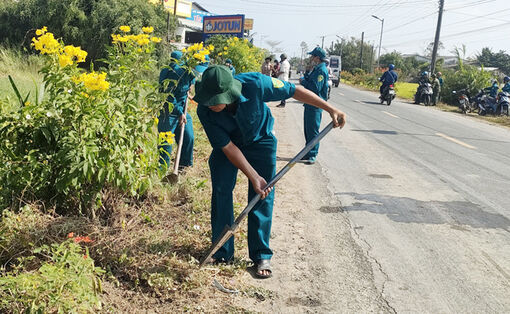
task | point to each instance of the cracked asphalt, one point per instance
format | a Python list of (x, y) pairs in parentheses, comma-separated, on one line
[(407, 210)]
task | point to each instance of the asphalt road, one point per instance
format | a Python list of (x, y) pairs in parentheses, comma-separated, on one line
[(428, 196)]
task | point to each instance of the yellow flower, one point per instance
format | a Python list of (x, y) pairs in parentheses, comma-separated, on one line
[(167, 137), (46, 44), (92, 81), (148, 29), (236, 39), (125, 29), (225, 48), (41, 31), (156, 39), (142, 39), (64, 60), (75, 54), (210, 48)]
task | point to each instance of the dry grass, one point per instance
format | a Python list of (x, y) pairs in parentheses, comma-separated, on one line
[(149, 247)]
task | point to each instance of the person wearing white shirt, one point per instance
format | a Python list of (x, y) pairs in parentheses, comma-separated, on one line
[(284, 73)]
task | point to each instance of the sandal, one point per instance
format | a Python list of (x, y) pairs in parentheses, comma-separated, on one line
[(264, 264)]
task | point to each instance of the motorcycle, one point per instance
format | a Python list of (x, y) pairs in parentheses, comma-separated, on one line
[(465, 104), (388, 95), (486, 104), (503, 102), (424, 94)]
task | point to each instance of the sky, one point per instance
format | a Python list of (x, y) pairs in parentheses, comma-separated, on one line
[(409, 25)]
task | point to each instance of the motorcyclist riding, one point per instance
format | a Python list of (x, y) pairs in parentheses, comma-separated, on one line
[(388, 78)]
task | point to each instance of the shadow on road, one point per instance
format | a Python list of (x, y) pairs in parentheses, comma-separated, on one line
[(379, 132), (408, 210)]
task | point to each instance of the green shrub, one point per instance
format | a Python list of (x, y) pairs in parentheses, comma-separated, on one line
[(244, 55), (90, 131), (66, 282), (465, 77)]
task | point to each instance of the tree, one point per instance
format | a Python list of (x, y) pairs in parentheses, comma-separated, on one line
[(499, 59), (350, 53), (430, 49), (273, 44), (85, 23)]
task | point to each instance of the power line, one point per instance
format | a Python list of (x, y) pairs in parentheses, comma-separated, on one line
[(331, 6), (475, 17)]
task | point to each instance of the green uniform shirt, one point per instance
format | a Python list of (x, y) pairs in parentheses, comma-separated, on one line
[(252, 119)]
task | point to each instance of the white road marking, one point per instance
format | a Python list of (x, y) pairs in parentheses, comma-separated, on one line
[(455, 140), (358, 101), (342, 94), (391, 114)]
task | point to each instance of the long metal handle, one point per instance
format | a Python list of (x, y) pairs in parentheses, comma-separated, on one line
[(181, 137), (229, 231)]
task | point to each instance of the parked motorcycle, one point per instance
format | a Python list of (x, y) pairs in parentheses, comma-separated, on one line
[(486, 104), (388, 95), (503, 102), (465, 103), (424, 94)]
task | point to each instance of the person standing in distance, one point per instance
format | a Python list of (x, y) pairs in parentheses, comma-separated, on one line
[(267, 67), (317, 82), (283, 74)]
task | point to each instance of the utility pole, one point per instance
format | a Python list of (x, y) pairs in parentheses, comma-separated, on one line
[(361, 53), (380, 39), (372, 59), (322, 42), (438, 35), (167, 22)]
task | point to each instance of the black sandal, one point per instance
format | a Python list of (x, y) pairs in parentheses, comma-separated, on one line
[(264, 264)]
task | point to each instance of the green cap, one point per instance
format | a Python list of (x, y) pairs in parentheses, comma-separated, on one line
[(318, 52), (216, 87)]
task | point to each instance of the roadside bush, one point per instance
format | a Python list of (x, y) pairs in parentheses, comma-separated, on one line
[(465, 77), (66, 281), (244, 55), (86, 130), (360, 77)]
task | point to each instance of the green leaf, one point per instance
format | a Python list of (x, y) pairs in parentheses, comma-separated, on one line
[(16, 91)]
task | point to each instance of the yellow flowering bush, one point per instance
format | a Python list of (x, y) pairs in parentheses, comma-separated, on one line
[(195, 54), (244, 55), (86, 131)]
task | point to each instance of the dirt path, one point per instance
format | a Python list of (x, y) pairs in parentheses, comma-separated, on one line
[(318, 266)]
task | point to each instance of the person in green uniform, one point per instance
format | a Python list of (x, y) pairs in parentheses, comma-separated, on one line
[(239, 126), (317, 82), (228, 63), (436, 89), (179, 82)]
